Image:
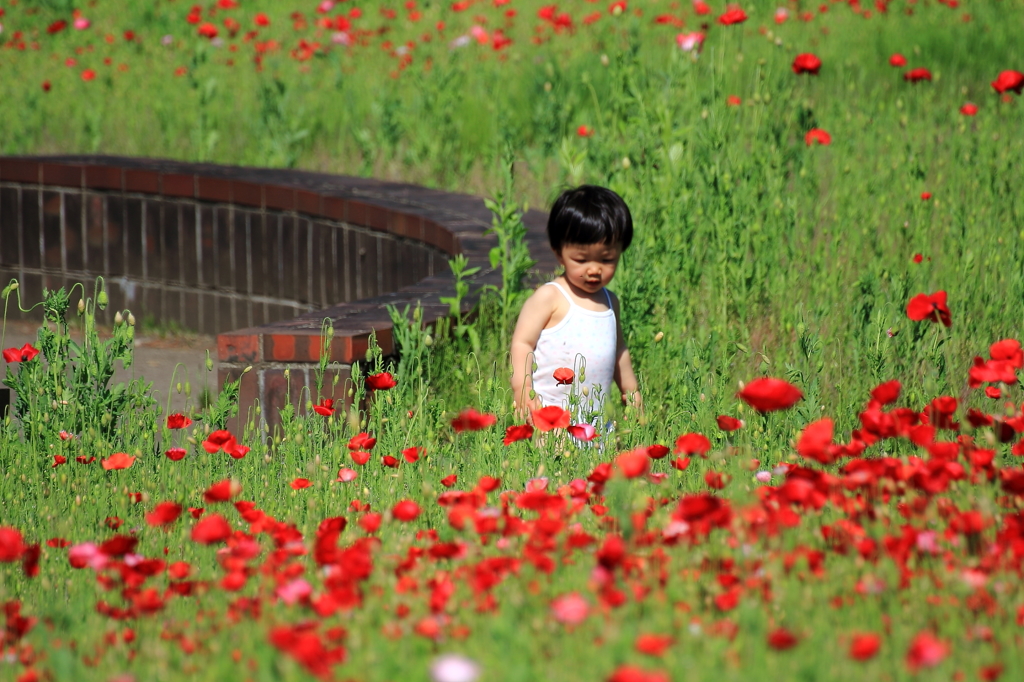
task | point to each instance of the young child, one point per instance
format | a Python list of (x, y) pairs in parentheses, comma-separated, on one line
[(575, 316)]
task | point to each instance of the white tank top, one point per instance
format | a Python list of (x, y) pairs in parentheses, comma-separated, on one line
[(585, 341)]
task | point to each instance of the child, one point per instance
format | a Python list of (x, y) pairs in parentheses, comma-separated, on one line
[(589, 227)]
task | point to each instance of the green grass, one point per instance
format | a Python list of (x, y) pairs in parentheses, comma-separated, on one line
[(754, 255)]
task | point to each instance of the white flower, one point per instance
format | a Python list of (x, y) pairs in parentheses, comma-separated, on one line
[(454, 668)]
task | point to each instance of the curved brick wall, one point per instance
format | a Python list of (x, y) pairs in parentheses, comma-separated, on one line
[(257, 256)]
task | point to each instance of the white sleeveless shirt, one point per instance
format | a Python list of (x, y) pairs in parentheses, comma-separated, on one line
[(585, 341)]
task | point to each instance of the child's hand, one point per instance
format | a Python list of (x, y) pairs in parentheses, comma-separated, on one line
[(634, 400), (525, 410)]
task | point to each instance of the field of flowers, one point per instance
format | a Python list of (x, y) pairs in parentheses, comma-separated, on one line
[(821, 300)]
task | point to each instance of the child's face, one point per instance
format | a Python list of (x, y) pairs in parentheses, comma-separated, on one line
[(589, 266)]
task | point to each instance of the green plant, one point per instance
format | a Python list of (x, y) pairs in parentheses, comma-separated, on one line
[(511, 255), (72, 389), (461, 271)]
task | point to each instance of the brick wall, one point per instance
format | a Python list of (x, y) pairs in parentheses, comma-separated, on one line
[(258, 256)]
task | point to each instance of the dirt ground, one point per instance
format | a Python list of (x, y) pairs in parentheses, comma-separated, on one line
[(157, 356)]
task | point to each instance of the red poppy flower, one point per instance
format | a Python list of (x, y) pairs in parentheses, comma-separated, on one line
[(781, 639), (769, 395), (864, 646), (207, 30), (325, 408), (300, 483), (471, 420), (449, 480), (918, 258), (1009, 351), (362, 441), (716, 480), (218, 440), (657, 451), (23, 354), (176, 454), (925, 196), (681, 463), (993, 392), (728, 600), (733, 101), (563, 376), (389, 461), (381, 382), (702, 8), (163, 514), (969, 109), (414, 453), (12, 545), (46, 86), (653, 645), (1009, 81), (211, 529), (733, 15), (930, 307), (582, 432), (406, 510), (816, 441), (58, 460), (727, 423), (360, 457), (633, 463), (517, 432), (897, 60), (262, 19), (887, 392), (917, 75), (178, 421), (926, 651), (237, 451), (222, 491), (585, 131), (817, 135), (346, 475), (550, 417), (118, 460), (806, 63), (370, 522), (692, 444)]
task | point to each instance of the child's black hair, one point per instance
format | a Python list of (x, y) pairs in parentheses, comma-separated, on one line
[(590, 215)]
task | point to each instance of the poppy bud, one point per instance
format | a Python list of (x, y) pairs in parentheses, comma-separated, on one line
[(626, 163), (428, 340), (604, 60), (247, 369), (188, 389), (131, 320), (178, 388), (659, 336), (118, 319), (102, 300), (209, 364), (81, 306)]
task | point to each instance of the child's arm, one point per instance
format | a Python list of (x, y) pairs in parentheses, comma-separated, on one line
[(624, 375), (532, 319)]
